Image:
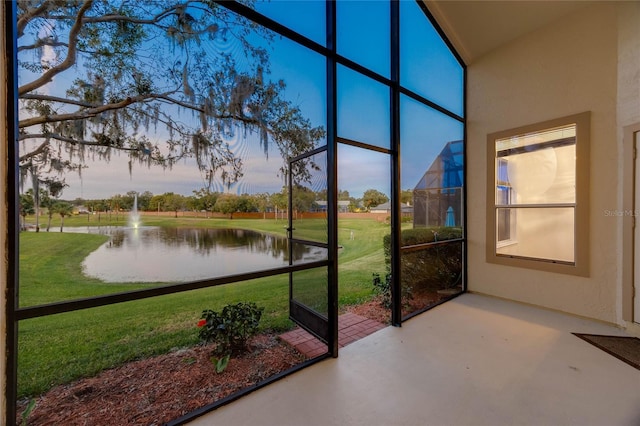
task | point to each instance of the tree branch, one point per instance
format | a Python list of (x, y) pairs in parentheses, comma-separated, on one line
[(65, 139), (114, 17), (42, 42), (69, 61), (39, 150), (79, 115), (235, 117), (94, 111), (24, 19), (39, 97)]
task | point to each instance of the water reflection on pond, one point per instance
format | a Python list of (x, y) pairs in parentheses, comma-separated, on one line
[(155, 254)]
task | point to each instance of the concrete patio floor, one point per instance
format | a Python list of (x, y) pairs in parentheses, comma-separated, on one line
[(474, 360)]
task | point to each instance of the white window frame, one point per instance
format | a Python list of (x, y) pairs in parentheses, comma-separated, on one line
[(580, 265), (512, 237)]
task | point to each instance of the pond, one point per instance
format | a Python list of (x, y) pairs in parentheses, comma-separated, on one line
[(159, 254)]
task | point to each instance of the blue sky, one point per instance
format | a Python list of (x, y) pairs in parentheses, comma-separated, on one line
[(363, 105)]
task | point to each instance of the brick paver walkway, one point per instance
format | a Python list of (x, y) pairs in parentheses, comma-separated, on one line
[(351, 327)]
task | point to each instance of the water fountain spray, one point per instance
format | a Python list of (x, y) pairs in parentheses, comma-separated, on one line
[(134, 216)]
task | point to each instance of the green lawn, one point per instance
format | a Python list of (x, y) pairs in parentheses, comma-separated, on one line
[(60, 348)]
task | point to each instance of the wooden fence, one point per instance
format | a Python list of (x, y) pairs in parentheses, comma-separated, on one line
[(282, 215)]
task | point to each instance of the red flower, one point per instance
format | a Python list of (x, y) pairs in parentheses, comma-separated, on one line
[(202, 322)]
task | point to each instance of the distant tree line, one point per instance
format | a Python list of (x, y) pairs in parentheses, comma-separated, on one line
[(203, 200), (48, 203)]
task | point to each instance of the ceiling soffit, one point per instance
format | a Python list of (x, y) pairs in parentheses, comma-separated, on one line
[(475, 28)]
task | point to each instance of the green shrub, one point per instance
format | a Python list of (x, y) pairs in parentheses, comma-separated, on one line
[(220, 363), (415, 236), (230, 329), (383, 288), (435, 267)]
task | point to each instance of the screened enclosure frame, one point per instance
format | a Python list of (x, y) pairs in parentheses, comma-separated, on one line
[(15, 314)]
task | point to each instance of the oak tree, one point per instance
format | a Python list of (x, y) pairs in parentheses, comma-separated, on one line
[(150, 79)]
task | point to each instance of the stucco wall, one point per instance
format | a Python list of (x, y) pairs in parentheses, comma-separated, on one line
[(628, 64), (567, 67), (628, 109)]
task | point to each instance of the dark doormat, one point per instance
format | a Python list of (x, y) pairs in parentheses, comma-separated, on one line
[(626, 349)]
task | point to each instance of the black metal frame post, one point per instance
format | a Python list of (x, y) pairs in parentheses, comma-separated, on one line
[(396, 190), (465, 246), (332, 178), (11, 293)]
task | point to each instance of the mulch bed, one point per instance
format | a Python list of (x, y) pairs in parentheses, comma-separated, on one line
[(156, 390), (421, 299), (372, 309)]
